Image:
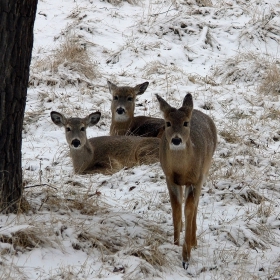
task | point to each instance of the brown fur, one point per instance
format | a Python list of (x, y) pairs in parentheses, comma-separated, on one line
[(123, 98), (104, 154), (186, 163)]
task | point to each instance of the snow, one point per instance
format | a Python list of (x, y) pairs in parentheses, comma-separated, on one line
[(120, 226)]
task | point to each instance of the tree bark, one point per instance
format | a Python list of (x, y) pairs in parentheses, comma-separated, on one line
[(16, 41)]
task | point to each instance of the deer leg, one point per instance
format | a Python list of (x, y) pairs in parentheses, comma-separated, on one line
[(196, 199), (191, 202), (194, 240), (176, 194)]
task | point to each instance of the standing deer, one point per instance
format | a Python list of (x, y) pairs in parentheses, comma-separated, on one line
[(104, 154), (123, 120), (187, 146)]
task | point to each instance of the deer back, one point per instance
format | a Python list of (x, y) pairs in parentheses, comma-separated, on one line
[(113, 153), (146, 126)]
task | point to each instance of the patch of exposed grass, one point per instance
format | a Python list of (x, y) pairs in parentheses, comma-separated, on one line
[(249, 195), (25, 239), (252, 68), (204, 3), (229, 136), (85, 203), (262, 27), (271, 113), (69, 64), (150, 251), (99, 241), (120, 2), (270, 83)]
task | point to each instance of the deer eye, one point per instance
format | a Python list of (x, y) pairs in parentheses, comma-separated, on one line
[(116, 97), (68, 129), (83, 128), (186, 124), (168, 124), (129, 98)]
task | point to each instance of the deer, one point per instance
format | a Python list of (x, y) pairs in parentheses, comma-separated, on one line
[(104, 154), (122, 108), (186, 150)]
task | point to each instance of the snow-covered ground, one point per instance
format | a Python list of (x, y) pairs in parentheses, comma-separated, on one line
[(226, 53)]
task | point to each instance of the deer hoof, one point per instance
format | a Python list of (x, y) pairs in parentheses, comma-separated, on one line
[(185, 265)]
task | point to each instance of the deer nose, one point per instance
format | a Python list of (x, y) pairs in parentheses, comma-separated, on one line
[(76, 143), (176, 141), (120, 110)]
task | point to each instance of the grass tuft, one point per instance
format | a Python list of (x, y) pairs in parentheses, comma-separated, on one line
[(69, 64), (270, 83), (229, 136), (251, 68), (120, 2), (25, 239)]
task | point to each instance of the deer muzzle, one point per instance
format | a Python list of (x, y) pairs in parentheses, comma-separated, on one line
[(120, 111), (76, 143), (176, 141)]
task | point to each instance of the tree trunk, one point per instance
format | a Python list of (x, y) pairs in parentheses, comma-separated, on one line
[(16, 40)]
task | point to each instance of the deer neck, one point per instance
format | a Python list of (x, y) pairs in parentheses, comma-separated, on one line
[(120, 128), (180, 159), (82, 157), (186, 153)]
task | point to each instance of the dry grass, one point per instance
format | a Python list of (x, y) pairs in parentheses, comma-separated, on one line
[(85, 205), (73, 54), (200, 3), (75, 197), (11, 271), (241, 67), (270, 83), (25, 239), (249, 195), (173, 73), (251, 68), (150, 251), (270, 113), (204, 3), (119, 240), (69, 64), (120, 2), (262, 27), (100, 241), (32, 117), (197, 79), (229, 136), (112, 233)]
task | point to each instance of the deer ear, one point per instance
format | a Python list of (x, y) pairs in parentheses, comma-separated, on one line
[(140, 89), (93, 118), (163, 105), (187, 105), (112, 87), (188, 101), (58, 118)]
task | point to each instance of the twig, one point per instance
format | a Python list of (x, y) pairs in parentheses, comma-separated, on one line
[(154, 15), (39, 185), (42, 14)]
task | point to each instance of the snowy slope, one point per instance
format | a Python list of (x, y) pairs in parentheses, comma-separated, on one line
[(226, 53)]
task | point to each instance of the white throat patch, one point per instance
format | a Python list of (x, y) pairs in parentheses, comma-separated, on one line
[(75, 148), (179, 147), (121, 118)]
